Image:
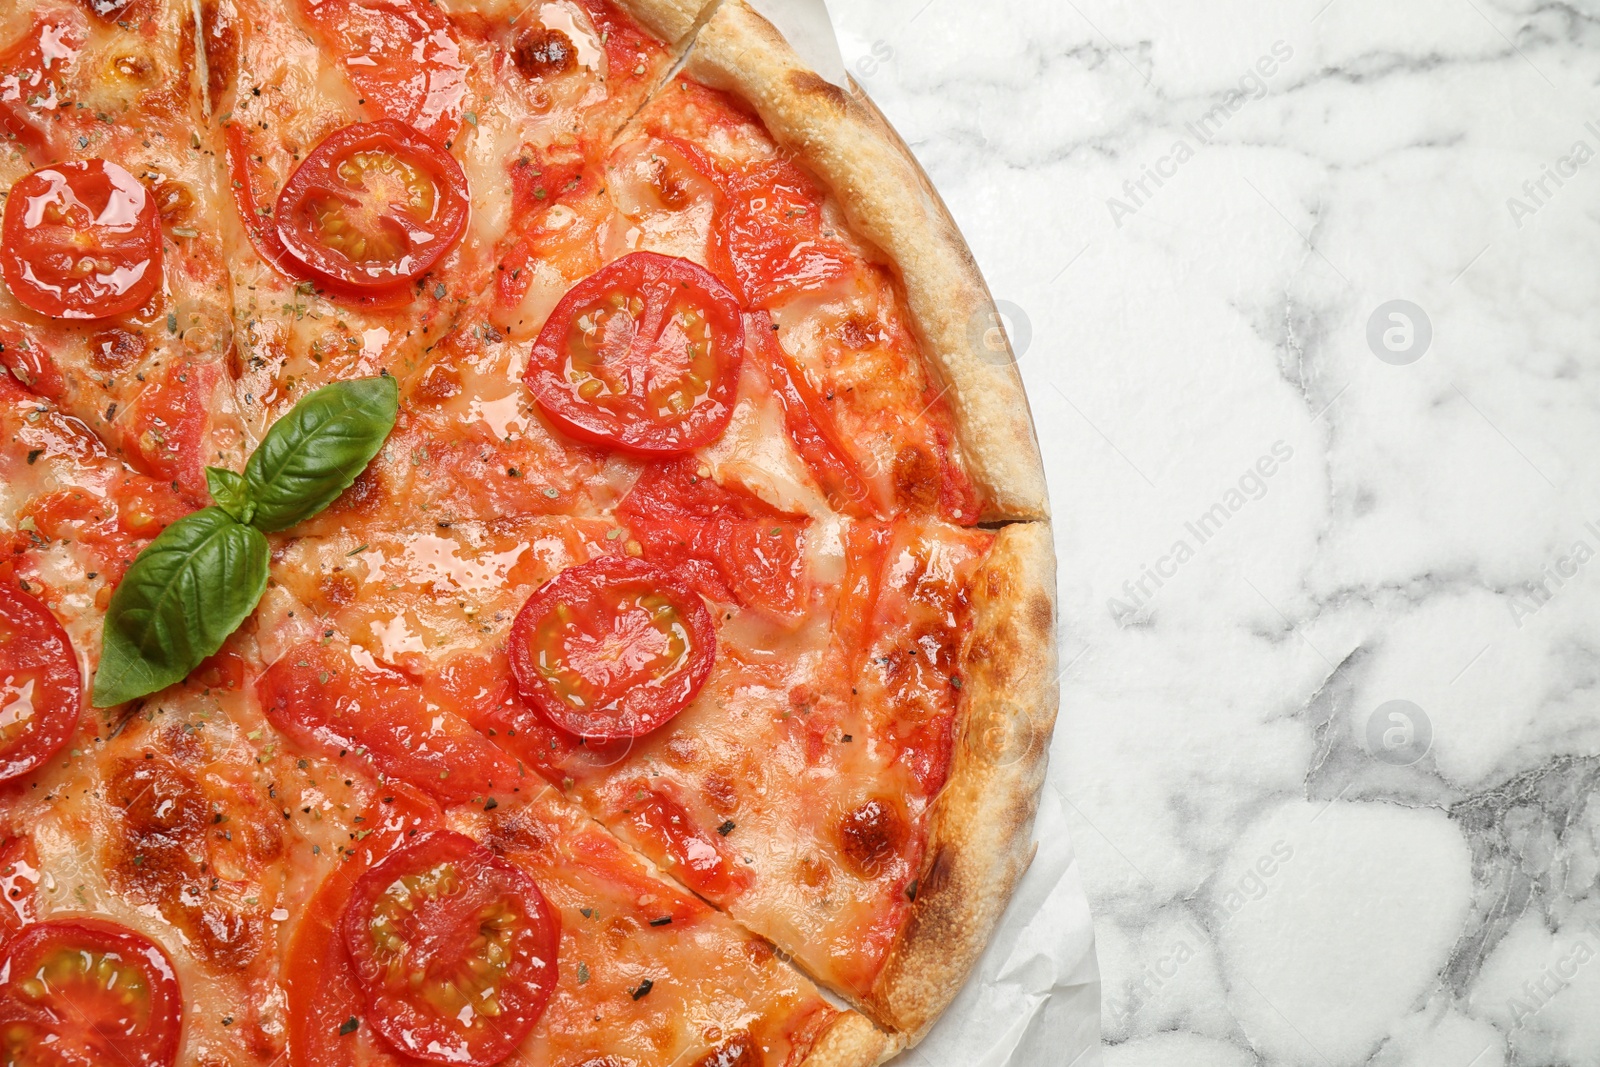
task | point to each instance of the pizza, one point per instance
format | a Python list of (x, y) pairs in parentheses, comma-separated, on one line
[(520, 541)]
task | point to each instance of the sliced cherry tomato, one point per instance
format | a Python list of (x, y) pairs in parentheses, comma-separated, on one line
[(19, 884), (701, 858), (166, 430), (641, 355), (41, 690), (454, 948), (866, 552), (373, 205), (30, 361), (772, 227), (84, 992), (319, 979), (612, 648), (249, 198), (811, 429), (81, 241), (729, 544), (31, 93), (320, 696), (401, 56)]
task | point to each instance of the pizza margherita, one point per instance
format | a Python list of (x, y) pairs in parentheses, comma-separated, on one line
[(519, 545)]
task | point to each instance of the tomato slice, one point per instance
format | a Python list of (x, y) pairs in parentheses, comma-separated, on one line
[(319, 979), (250, 202), (642, 355), (727, 543), (612, 648), (83, 992), (812, 431), (41, 690), (81, 241), (775, 235), (166, 429), (32, 104), (322, 698), (454, 948), (701, 858), (374, 205), (19, 884), (401, 57)]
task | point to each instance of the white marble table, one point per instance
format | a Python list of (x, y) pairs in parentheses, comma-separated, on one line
[(1281, 509)]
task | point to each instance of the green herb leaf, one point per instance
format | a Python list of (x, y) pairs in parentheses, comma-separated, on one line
[(232, 495), (185, 593), (312, 454)]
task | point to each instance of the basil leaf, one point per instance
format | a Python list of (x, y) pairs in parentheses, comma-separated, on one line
[(312, 454), (185, 593), (232, 495)]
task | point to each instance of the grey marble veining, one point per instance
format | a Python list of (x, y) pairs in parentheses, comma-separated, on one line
[(1330, 738)]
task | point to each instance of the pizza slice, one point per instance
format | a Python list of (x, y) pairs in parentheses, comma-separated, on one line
[(805, 786), (115, 306)]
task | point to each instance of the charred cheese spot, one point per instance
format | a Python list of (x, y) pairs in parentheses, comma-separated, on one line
[(815, 873), (737, 1051), (164, 817), (721, 793), (870, 836), (163, 855), (114, 350), (682, 750), (542, 53), (618, 930), (364, 497), (134, 66), (222, 48), (671, 188), (334, 591), (438, 383), (520, 832), (174, 200), (916, 477), (858, 332)]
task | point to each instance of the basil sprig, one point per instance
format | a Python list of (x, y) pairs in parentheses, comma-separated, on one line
[(194, 584)]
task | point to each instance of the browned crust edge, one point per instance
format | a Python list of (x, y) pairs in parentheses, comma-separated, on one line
[(843, 139), (669, 20), (980, 827), (852, 1041)]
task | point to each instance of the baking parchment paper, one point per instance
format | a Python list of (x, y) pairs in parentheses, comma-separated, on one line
[(1034, 998)]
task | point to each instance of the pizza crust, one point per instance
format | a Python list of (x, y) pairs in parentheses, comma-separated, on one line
[(852, 1041), (670, 20), (979, 829), (843, 139)]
